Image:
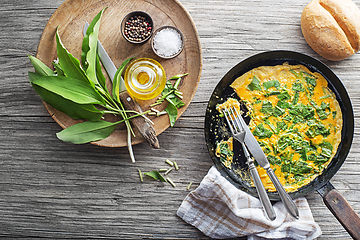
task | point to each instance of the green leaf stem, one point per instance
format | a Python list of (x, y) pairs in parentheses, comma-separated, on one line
[(117, 80)]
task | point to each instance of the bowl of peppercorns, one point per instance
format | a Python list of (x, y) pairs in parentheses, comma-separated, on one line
[(137, 27)]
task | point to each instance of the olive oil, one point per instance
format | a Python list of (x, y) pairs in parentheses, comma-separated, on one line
[(145, 78)]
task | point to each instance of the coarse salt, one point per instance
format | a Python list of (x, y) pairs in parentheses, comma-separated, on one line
[(167, 42)]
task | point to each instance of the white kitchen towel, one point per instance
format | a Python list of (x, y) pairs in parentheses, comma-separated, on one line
[(220, 210)]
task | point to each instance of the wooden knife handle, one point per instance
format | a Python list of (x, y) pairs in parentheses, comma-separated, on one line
[(144, 127), (342, 210)]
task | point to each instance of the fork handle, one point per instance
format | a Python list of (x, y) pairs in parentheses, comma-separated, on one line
[(264, 198)]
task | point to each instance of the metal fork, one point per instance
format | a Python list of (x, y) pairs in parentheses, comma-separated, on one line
[(238, 131)]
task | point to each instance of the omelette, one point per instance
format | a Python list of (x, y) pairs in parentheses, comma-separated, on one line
[(295, 118)]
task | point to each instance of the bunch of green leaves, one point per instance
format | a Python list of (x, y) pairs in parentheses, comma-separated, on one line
[(173, 96), (79, 90)]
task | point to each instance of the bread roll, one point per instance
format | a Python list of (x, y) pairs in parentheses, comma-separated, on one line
[(332, 28)]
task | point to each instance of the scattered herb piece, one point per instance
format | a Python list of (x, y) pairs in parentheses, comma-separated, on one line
[(176, 77), (155, 175), (169, 162), (189, 186), (176, 166), (171, 182), (140, 174), (173, 96), (169, 170)]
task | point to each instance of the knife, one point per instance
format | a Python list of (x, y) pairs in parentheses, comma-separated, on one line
[(257, 152), (144, 127)]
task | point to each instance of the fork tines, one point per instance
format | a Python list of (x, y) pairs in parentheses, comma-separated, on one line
[(232, 116)]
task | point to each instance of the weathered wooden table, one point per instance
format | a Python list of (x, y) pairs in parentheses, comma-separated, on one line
[(52, 189)]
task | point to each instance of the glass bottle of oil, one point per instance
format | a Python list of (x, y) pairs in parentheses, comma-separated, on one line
[(145, 78)]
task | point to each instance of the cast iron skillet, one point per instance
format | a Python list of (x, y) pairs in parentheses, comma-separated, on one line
[(216, 129)]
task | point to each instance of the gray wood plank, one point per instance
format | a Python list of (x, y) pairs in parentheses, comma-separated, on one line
[(53, 189)]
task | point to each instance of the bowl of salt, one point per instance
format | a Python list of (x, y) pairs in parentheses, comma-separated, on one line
[(167, 42)]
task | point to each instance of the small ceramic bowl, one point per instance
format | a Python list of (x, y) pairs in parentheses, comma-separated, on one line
[(132, 15), (165, 42)]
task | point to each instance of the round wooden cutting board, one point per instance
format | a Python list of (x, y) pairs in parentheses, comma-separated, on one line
[(71, 16)]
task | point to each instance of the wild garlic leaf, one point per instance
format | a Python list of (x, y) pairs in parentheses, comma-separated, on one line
[(85, 48), (172, 112), (284, 95), (87, 132), (99, 74), (89, 47), (155, 175), (70, 88), (168, 88), (262, 132), (175, 101), (40, 67), (254, 85), (270, 84), (72, 109), (117, 80), (295, 73), (69, 64)]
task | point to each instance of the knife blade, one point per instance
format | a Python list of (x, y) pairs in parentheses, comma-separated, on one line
[(144, 127), (260, 157)]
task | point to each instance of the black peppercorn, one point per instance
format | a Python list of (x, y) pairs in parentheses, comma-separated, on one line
[(138, 27)]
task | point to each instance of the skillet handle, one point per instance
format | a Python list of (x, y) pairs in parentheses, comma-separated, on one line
[(342, 210)]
